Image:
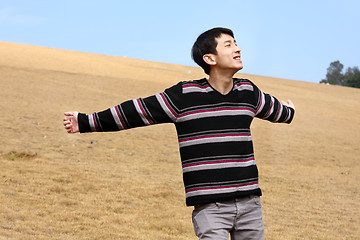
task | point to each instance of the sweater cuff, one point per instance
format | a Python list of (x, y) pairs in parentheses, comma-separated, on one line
[(292, 115), (83, 122)]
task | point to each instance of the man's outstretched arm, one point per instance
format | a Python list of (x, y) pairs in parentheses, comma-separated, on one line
[(129, 114), (271, 109)]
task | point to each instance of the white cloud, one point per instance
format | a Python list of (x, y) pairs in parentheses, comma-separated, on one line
[(9, 16)]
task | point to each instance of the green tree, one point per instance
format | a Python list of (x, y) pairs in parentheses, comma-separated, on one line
[(354, 80), (334, 74), (350, 72)]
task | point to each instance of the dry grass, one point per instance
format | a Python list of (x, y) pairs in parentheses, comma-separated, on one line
[(128, 185)]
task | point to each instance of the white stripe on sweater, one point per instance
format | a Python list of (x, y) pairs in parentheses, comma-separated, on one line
[(140, 112), (216, 139), (164, 106), (221, 190), (221, 165), (116, 118)]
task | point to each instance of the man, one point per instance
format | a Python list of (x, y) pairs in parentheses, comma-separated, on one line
[(212, 118)]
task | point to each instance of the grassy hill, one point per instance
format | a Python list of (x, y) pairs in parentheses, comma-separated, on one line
[(128, 185)]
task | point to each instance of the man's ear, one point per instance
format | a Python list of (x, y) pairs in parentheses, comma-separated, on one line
[(209, 59)]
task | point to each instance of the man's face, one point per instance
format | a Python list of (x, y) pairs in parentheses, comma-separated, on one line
[(228, 53)]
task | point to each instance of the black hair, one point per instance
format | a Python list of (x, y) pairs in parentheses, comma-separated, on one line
[(206, 43)]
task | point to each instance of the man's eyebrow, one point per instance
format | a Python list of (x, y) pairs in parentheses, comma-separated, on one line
[(229, 41)]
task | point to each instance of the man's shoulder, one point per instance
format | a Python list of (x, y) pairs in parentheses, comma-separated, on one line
[(196, 86), (201, 82), (242, 80), (243, 84)]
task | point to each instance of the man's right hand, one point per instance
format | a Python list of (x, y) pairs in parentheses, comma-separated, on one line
[(71, 122), (288, 103)]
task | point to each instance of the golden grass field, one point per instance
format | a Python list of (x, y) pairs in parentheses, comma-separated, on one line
[(128, 185)]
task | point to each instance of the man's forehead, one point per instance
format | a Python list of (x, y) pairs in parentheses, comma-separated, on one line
[(225, 38)]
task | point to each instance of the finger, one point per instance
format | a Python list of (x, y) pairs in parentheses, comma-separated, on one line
[(67, 121), (289, 103), (70, 130), (285, 103), (70, 114)]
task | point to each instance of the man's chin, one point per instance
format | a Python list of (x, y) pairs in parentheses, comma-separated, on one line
[(240, 68)]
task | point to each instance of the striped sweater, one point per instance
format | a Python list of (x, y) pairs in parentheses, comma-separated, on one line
[(213, 130)]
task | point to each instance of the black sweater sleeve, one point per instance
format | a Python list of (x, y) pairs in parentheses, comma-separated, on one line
[(130, 114), (271, 109)]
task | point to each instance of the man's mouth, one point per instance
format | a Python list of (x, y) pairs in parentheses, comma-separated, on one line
[(238, 58)]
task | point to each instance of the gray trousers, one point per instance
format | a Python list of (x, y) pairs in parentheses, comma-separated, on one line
[(240, 217)]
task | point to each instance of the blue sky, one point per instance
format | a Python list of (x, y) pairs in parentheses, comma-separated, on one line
[(286, 39)]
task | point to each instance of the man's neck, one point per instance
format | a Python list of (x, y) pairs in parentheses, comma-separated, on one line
[(222, 83)]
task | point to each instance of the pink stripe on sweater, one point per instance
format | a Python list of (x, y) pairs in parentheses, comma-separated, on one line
[(194, 85), (231, 186), (210, 136), (216, 109), (143, 112), (96, 127), (214, 162), (122, 122), (168, 105)]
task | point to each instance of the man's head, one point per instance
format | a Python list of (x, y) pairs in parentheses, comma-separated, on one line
[(206, 45)]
